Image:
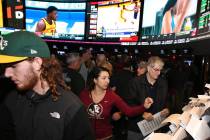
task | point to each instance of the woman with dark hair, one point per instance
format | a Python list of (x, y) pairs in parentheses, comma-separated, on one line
[(99, 101), (174, 14)]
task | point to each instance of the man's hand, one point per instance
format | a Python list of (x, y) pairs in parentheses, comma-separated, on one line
[(116, 116), (147, 116), (148, 102), (165, 112)]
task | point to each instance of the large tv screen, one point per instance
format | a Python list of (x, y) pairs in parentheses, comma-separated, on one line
[(56, 20), (116, 20), (168, 21), (168, 16)]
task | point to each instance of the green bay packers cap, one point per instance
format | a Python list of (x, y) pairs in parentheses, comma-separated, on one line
[(21, 45)]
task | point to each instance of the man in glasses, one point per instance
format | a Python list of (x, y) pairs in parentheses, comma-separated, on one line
[(42, 107), (151, 85)]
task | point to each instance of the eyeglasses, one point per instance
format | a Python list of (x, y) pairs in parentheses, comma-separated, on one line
[(156, 69)]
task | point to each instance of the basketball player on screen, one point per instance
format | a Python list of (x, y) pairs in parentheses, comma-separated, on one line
[(136, 10), (47, 25)]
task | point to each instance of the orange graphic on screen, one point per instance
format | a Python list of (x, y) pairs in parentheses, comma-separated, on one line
[(1, 14)]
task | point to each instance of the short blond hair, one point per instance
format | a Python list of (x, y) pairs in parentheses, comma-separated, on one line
[(155, 60)]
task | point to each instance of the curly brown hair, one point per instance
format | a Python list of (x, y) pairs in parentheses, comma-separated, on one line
[(51, 71)]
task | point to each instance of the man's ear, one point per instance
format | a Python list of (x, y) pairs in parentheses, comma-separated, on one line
[(37, 63), (148, 68)]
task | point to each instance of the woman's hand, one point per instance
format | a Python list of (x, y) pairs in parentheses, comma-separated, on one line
[(116, 116)]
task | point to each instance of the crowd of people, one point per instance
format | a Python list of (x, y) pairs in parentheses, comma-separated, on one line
[(81, 97)]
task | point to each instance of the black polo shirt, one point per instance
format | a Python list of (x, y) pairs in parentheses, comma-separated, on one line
[(152, 92)]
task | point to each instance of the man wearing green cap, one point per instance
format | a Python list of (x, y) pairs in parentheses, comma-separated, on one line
[(42, 107)]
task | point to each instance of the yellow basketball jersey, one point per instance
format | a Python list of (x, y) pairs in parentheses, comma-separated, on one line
[(49, 28)]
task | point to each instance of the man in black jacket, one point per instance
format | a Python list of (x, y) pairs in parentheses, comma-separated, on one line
[(42, 107), (72, 76), (148, 85)]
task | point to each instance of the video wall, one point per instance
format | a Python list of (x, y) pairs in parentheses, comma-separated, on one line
[(127, 22)]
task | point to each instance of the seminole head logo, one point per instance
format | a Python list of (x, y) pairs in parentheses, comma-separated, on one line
[(3, 43), (95, 110)]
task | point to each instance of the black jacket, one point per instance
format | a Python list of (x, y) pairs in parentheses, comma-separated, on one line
[(74, 80), (36, 117), (121, 80), (138, 91)]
